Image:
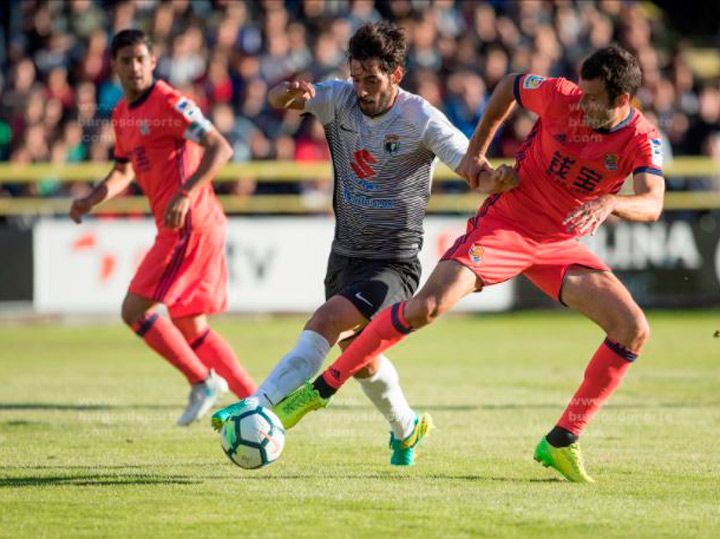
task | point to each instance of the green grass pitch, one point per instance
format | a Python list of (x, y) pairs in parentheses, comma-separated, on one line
[(88, 445)]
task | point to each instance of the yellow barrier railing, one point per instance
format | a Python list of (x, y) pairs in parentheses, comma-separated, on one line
[(285, 171), (291, 204), (689, 167)]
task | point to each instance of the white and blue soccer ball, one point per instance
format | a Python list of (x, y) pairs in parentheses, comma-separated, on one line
[(253, 438)]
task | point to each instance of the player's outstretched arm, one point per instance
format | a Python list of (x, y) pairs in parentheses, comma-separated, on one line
[(499, 106), (291, 95), (114, 183), (217, 153)]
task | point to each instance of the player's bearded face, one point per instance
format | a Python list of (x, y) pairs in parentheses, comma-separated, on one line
[(134, 66), (376, 90), (599, 113)]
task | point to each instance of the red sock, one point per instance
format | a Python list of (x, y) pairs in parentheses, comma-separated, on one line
[(162, 336), (217, 354), (602, 375), (384, 331)]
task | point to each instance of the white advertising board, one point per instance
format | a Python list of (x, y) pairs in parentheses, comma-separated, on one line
[(275, 264)]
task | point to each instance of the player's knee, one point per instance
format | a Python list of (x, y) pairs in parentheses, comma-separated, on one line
[(632, 330), (421, 311), (130, 312), (640, 331), (326, 322)]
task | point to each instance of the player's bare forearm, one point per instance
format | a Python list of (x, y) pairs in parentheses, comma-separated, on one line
[(645, 206), (647, 202), (217, 153), (498, 108), (114, 183)]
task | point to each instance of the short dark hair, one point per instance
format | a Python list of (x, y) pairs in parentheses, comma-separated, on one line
[(618, 69), (383, 41), (126, 38)]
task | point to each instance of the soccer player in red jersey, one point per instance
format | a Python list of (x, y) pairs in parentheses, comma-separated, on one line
[(587, 140), (173, 152)]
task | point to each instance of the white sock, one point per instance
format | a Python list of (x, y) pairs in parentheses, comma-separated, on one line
[(383, 389), (298, 365)]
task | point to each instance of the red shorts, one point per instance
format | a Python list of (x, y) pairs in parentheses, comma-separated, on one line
[(186, 271), (495, 251)]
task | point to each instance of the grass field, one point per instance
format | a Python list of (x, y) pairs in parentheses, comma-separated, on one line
[(88, 445)]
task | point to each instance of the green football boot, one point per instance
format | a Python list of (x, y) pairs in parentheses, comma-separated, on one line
[(222, 415), (566, 460), (403, 451), (293, 408)]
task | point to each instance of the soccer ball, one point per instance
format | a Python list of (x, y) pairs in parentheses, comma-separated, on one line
[(253, 438)]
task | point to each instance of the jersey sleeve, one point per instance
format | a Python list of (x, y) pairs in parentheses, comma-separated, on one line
[(537, 94), (649, 154), (324, 105), (120, 153), (185, 119), (444, 139)]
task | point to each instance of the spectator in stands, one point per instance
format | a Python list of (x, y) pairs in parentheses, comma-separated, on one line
[(226, 52)]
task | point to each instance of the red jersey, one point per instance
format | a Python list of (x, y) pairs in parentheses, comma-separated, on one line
[(563, 164), (159, 133)]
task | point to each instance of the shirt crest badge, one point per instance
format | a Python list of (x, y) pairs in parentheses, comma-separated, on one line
[(392, 143)]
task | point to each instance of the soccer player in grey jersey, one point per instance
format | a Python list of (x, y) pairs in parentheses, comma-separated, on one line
[(384, 142)]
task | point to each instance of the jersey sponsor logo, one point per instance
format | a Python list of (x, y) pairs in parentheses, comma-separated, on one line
[(144, 127), (476, 253), (363, 201), (656, 155), (532, 82), (392, 143), (362, 164), (611, 161)]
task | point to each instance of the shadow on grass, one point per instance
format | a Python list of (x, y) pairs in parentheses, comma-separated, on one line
[(429, 407), (391, 476), (95, 480), (83, 407)]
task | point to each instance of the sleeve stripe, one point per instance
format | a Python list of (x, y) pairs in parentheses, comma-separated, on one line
[(516, 90), (121, 159), (651, 170)]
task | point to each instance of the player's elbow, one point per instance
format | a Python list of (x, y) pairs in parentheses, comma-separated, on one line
[(655, 215), (228, 150), (655, 211), (222, 149)]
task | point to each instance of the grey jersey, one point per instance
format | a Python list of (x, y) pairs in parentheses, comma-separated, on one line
[(383, 169)]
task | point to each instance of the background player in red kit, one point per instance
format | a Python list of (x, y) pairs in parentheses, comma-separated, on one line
[(160, 136), (587, 140)]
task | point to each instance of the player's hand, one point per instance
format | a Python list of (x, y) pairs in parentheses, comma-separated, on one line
[(299, 90), (177, 210), (588, 217), (470, 168), (503, 179), (80, 206)]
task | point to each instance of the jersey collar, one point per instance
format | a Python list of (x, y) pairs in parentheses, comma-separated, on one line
[(619, 126), (140, 100)]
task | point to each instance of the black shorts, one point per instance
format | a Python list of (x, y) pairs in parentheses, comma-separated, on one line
[(371, 285)]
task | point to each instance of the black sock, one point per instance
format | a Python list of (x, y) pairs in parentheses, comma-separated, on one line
[(322, 387), (560, 437)]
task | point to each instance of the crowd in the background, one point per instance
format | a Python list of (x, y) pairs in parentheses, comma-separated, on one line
[(57, 89)]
